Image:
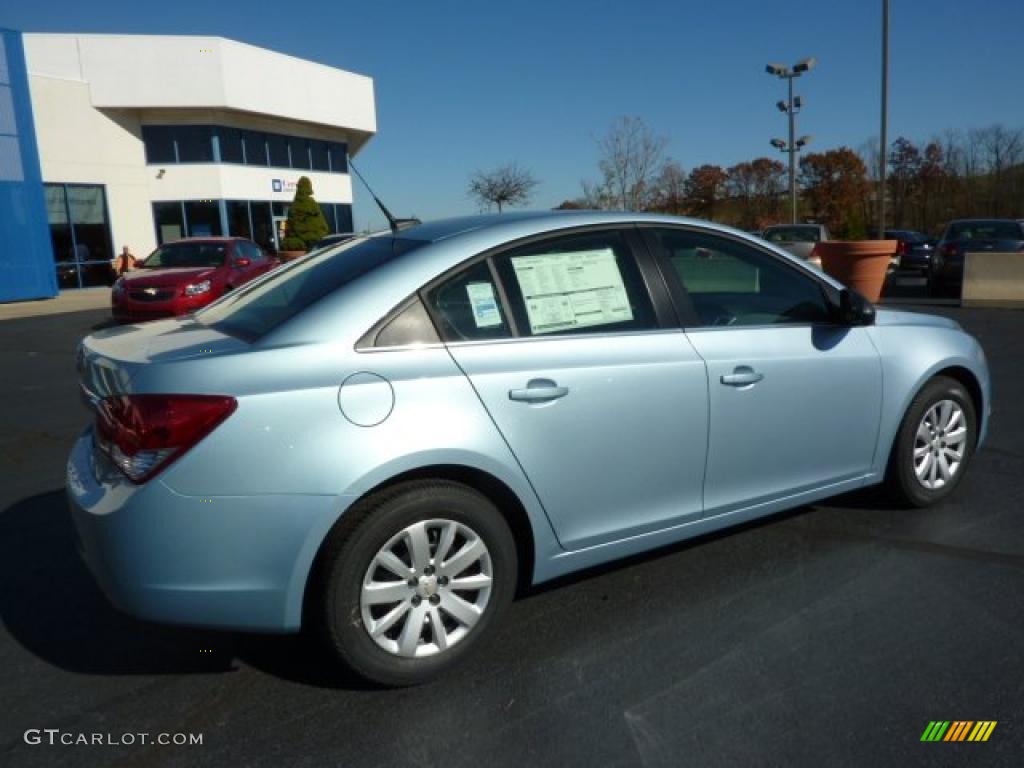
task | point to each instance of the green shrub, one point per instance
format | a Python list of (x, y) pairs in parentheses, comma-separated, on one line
[(306, 222)]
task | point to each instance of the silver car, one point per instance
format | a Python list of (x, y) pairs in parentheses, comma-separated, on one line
[(384, 440)]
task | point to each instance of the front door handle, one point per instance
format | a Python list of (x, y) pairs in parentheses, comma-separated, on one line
[(538, 391), (742, 376)]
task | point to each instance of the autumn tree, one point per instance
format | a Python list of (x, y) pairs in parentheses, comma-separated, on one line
[(834, 184), (757, 187), (904, 165), (631, 157), (508, 185), (705, 188), (669, 190)]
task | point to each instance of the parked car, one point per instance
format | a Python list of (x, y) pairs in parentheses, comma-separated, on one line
[(914, 251), (798, 239), (185, 275), (946, 272), (382, 441)]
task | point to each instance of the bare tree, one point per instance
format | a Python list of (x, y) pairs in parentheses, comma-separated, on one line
[(631, 159), (508, 185)]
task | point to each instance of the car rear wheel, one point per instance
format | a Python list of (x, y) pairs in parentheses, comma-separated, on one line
[(934, 444), (415, 580)]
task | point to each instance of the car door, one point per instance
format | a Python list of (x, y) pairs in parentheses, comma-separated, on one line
[(795, 398), (602, 401)]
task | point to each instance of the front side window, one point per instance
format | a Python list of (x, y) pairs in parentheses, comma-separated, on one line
[(732, 283), (587, 283)]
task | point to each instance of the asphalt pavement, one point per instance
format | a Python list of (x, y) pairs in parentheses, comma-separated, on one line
[(829, 635)]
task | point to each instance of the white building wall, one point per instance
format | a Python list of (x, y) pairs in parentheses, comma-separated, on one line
[(79, 144), (242, 182)]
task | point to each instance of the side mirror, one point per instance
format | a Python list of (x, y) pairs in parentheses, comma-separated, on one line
[(854, 309), (241, 262)]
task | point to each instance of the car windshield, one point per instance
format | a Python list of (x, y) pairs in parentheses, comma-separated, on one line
[(984, 230), (792, 234), (256, 309), (185, 254)]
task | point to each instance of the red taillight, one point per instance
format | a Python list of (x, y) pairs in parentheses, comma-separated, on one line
[(901, 248), (142, 434), (948, 249)]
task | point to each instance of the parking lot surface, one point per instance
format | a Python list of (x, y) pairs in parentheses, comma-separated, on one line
[(829, 635)]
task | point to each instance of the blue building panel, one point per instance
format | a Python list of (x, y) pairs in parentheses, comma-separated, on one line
[(26, 252)]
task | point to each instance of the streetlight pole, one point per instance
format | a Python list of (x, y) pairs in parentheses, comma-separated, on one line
[(791, 106), (791, 110), (883, 148)]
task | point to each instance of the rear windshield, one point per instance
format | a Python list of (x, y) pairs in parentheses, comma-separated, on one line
[(792, 234), (186, 255), (984, 230), (906, 236), (255, 310)]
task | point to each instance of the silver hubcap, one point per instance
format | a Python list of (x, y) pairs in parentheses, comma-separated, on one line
[(426, 588), (939, 444)]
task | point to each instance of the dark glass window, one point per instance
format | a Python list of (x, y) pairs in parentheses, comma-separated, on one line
[(339, 157), (277, 146), (576, 284), (731, 283), (344, 218), (468, 306), (262, 225), (255, 148), (258, 308), (60, 227), (203, 218), (195, 143), (170, 222), (230, 140), (238, 218), (88, 207), (329, 216), (280, 209), (159, 143), (300, 153), (321, 155)]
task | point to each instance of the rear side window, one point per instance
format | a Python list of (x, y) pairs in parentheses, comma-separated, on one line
[(468, 307), (586, 283), (256, 309)]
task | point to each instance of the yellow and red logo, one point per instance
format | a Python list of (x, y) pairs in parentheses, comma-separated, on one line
[(959, 730)]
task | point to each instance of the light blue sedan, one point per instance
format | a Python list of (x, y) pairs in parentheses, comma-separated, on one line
[(384, 440)]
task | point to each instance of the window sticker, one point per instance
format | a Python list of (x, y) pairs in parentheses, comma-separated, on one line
[(572, 290), (485, 306)]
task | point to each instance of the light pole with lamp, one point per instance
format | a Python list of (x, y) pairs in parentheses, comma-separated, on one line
[(791, 106)]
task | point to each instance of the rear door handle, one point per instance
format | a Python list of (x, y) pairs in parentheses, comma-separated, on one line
[(538, 391), (742, 376)]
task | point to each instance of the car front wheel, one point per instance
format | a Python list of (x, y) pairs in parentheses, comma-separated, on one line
[(414, 580), (934, 444)]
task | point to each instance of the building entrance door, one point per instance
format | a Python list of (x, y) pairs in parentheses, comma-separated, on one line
[(280, 223)]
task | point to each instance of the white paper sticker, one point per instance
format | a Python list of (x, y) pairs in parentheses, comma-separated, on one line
[(485, 306), (572, 290)]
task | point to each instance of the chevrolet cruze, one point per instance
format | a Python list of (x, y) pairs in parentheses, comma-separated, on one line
[(384, 440)]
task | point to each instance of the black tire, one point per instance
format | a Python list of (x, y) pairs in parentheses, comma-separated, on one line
[(355, 542), (901, 479)]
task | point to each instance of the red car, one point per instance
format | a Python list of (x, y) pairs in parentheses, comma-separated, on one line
[(185, 275)]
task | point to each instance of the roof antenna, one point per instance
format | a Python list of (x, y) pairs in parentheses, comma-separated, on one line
[(396, 224)]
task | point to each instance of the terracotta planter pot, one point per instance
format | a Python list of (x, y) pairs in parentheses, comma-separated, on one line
[(858, 264), (286, 256)]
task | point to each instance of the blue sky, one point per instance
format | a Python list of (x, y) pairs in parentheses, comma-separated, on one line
[(466, 86)]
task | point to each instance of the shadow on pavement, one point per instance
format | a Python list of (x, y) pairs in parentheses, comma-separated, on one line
[(51, 605)]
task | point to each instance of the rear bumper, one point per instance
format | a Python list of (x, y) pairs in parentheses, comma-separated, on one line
[(237, 562)]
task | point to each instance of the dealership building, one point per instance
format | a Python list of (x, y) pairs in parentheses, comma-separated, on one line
[(114, 140)]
